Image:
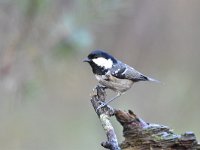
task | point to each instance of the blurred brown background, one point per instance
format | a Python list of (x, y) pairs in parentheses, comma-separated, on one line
[(45, 88)]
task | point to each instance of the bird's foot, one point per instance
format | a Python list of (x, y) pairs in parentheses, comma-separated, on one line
[(110, 109), (103, 104)]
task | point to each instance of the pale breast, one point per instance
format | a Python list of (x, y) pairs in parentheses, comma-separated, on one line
[(113, 83)]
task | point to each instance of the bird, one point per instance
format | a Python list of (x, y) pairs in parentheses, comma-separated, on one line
[(113, 74)]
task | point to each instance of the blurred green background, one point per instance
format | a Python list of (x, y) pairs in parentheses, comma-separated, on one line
[(45, 88)]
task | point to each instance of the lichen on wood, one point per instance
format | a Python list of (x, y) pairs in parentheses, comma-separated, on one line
[(141, 135), (138, 134)]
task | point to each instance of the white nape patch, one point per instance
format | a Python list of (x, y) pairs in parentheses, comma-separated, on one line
[(102, 62)]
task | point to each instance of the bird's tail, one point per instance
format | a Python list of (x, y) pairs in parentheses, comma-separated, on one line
[(153, 80)]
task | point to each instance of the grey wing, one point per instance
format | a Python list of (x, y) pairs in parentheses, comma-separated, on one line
[(124, 71)]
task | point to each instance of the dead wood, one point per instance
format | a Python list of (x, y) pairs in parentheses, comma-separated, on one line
[(138, 134)]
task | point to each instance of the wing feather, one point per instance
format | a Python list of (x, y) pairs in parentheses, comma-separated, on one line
[(124, 71)]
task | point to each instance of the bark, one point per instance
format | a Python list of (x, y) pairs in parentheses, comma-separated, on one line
[(104, 114), (141, 135), (138, 134)]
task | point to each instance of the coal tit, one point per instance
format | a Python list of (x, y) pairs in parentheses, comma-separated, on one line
[(113, 74)]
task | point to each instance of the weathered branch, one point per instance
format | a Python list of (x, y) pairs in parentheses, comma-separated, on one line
[(139, 134), (104, 114)]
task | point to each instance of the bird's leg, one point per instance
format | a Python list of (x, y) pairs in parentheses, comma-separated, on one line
[(118, 95), (106, 103)]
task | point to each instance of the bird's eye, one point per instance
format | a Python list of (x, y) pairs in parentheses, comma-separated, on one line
[(94, 56)]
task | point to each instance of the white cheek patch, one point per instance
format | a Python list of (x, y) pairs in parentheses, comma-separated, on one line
[(102, 62)]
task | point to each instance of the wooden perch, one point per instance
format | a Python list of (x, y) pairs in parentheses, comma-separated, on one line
[(141, 135), (104, 114), (138, 134)]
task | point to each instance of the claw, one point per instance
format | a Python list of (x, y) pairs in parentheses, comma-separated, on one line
[(106, 103), (100, 106)]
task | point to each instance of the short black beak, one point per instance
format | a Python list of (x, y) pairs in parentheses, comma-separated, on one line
[(86, 60)]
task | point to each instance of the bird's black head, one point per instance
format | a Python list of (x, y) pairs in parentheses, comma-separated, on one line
[(100, 61)]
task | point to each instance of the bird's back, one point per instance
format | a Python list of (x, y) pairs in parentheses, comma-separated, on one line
[(124, 71)]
